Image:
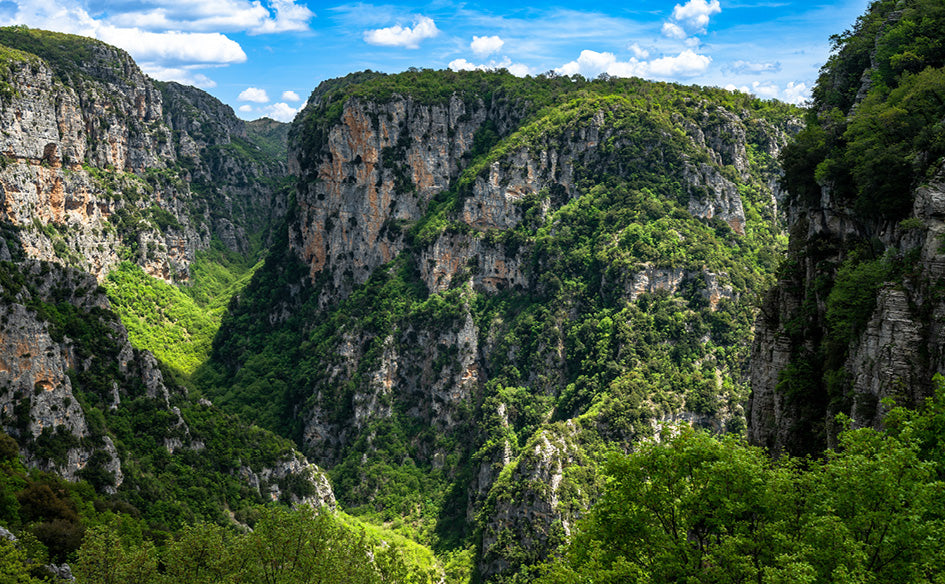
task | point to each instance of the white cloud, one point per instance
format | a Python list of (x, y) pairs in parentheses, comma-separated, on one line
[(591, 64), (289, 17), (517, 69), (794, 92), (673, 31), (694, 15), (183, 75), (687, 64), (638, 51), (168, 38), (463, 65), (749, 68), (486, 45), (173, 46), (216, 15), (253, 94), (403, 36), (281, 111), (159, 48), (290, 96), (246, 108), (631, 68)]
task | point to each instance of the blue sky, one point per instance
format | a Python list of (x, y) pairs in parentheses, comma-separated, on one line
[(263, 57)]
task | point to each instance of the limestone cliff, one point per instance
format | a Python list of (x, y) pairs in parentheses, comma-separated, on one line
[(68, 377), (102, 164), (855, 317), (479, 266)]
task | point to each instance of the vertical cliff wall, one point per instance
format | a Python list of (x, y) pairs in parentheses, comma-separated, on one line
[(488, 279), (855, 317), (102, 164)]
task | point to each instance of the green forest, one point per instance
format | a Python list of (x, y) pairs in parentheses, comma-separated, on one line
[(604, 438)]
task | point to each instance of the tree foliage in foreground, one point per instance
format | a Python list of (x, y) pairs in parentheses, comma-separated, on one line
[(697, 508), (301, 546)]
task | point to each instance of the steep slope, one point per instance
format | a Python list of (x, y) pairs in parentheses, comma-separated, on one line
[(487, 282), (100, 165), (856, 315)]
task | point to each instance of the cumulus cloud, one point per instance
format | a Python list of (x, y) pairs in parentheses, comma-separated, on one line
[(486, 45), (289, 16), (246, 108), (290, 96), (215, 15), (168, 38), (253, 94), (591, 64), (517, 69), (464, 65), (749, 68), (673, 31), (686, 64), (173, 46), (794, 92), (638, 51), (184, 75), (403, 36), (280, 111), (694, 15)]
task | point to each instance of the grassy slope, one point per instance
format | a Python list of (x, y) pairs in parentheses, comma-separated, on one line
[(178, 324)]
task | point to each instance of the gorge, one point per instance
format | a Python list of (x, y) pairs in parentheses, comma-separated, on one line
[(485, 323)]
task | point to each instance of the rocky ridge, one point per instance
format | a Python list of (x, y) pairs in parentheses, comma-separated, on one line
[(59, 343), (855, 318), (422, 221), (102, 164)]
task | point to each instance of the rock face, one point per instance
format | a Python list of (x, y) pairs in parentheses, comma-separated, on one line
[(441, 321), (855, 317), (47, 405), (894, 354), (102, 164), (39, 405), (381, 164), (534, 503), (61, 350)]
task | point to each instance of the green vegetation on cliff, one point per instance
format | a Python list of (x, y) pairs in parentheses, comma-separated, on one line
[(572, 357), (871, 139), (107, 540), (874, 139), (698, 508), (178, 324)]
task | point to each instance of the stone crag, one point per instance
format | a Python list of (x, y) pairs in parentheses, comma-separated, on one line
[(103, 164), (451, 197), (855, 318)]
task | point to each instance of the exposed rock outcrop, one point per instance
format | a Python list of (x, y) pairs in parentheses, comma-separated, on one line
[(855, 317), (102, 164), (461, 192), (894, 354)]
